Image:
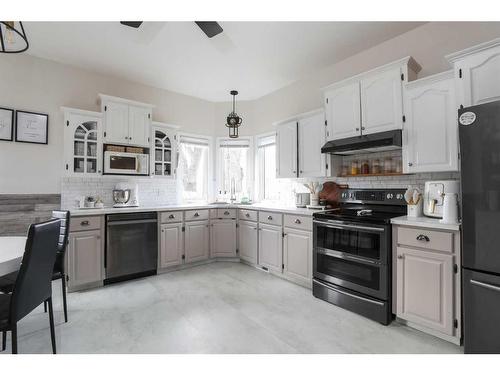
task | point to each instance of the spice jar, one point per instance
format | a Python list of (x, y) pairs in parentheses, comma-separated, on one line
[(365, 167), (388, 165), (375, 166), (398, 165), (354, 167), (345, 170)]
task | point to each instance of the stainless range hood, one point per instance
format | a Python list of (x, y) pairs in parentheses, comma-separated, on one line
[(384, 141)]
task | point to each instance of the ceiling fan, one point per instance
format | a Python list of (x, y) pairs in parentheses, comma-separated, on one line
[(210, 28)]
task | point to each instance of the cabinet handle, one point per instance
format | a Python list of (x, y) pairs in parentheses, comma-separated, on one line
[(297, 221), (357, 129), (226, 213), (84, 223), (196, 214), (254, 228), (294, 172), (400, 257), (410, 164), (269, 217), (163, 230), (362, 128), (423, 237), (300, 172), (171, 216), (247, 215)]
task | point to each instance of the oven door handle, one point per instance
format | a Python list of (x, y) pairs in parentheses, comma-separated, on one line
[(337, 225), (348, 294), (340, 255), (127, 222)]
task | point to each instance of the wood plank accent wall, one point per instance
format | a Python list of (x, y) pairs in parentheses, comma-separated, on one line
[(18, 211)]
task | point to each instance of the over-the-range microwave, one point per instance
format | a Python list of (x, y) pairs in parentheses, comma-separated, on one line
[(126, 163)]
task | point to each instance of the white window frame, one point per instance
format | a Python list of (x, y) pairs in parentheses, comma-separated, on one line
[(259, 180), (210, 173), (250, 161)]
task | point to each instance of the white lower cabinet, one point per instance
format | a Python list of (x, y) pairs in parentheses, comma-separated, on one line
[(223, 238), (171, 245), (425, 288), (248, 241), (270, 247), (85, 258), (297, 255), (196, 241)]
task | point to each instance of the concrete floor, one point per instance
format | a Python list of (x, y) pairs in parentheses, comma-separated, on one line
[(214, 308)]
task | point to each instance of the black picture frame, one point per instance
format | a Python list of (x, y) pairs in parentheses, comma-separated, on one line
[(46, 140), (11, 124)]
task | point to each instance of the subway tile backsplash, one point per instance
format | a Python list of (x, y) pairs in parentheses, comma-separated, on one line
[(152, 191)]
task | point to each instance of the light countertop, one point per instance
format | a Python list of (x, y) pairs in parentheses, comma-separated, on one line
[(181, 207), (424, 222)]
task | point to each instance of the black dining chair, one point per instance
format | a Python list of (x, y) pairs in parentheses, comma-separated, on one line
[(33, 284), (59, 272)]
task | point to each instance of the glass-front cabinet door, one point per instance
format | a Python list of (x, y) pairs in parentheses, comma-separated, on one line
[(83, 143), (163, 151)]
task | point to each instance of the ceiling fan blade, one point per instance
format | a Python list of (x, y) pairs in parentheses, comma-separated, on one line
[(134, 24), (210, 28)]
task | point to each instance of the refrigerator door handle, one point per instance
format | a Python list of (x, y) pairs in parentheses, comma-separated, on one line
[(485, 285)]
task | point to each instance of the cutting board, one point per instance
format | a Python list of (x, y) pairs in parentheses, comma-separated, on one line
[(331, 193)]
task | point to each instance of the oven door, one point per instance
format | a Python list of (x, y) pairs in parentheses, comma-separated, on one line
[(121, 163), (354, 256)]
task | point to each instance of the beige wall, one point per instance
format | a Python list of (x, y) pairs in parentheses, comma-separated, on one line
[(39, 85)]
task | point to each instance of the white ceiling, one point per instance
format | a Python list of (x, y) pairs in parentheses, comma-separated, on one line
[(256, 58)]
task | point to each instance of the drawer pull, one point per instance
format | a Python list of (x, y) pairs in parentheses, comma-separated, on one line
[(226, 213), (269, 217), (247, 215), (196, 214), (297, 221), (423, 237), (400, 257), (171, 216), (84, 223)]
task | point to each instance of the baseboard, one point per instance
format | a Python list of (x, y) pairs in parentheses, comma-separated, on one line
[(453, 339)]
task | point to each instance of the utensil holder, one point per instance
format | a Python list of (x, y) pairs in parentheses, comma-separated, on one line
[(314, 199), (415, 210)]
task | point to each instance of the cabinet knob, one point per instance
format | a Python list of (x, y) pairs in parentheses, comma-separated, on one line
[(297, 221), (163, 230), (171, 216), (357, 129), (84, 223), (400, 257), (410, 164), (226, 213), (196, 214), (423, 237), (247, 215), (362, 128), (294, 172), (300, 172), (269, 217)]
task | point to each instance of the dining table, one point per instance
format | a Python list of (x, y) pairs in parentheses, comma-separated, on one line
[(11, 253)]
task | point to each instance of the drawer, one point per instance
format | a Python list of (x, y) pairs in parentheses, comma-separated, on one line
[(171, 216), (226, 213), (426, 239), (298, 222), (85, 223), (248, 215), (272, 218), (193, 215)]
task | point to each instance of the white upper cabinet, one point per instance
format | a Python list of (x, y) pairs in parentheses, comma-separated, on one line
[(382, 102), (286, 150), (370, 102), (430, 137), (312, 136), (82, 142), (477, 73), (126, 121), (343, 113), (163, 150)]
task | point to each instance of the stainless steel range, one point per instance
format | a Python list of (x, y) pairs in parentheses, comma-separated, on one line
[(352, 251)]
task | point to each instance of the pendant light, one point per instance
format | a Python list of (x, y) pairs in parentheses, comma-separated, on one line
[(12, 37), (233, 120)]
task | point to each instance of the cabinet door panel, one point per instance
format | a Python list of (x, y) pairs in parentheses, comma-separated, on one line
[(381, 102), (116, 122), (431, 132), (223, 238), (171, 245), (85, 257), (297, 254), (311, 139), (139, 126), (286, 153), (425, 288), (343, 111), (270, 247), (196, 241), (248, 241)]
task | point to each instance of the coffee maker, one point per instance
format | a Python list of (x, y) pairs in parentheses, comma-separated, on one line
[(125, 194), (434, 193)]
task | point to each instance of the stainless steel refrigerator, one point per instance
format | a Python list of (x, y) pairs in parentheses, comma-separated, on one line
[(479, 129)]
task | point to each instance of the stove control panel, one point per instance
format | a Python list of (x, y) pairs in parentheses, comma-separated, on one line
[(386, 196)]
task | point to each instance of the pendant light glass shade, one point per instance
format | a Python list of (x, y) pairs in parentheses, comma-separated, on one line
[(13, 38), (233, 121)]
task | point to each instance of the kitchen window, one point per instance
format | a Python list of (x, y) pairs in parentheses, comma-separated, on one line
[(268, 185), (193, 168), (234, 167)]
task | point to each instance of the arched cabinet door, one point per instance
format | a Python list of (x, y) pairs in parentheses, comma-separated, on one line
[(83, 143), (163, 151)]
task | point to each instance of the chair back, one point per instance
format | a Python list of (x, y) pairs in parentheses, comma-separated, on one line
[(64, 216), (34, 280)]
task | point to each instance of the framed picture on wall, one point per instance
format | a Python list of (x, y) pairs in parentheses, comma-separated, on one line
[(32, 127), (6, 124)]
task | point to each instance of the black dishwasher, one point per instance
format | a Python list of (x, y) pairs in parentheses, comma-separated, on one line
[(131, 246)]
